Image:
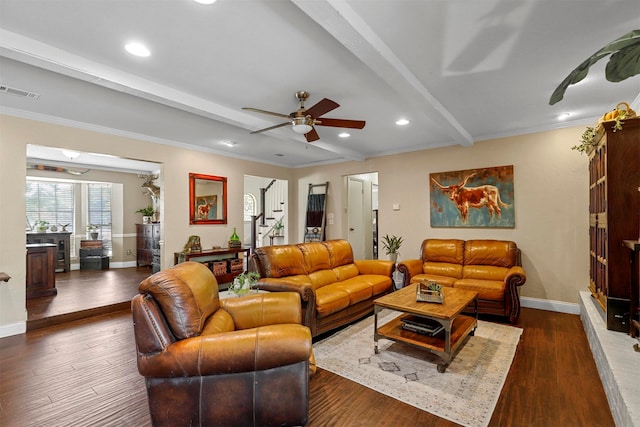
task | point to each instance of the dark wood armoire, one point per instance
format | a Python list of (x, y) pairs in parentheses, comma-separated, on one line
[(614, 216)]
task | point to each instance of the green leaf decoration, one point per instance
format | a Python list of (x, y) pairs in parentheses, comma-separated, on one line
[(624, 63)]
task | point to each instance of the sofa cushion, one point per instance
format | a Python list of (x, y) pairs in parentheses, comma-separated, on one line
[(484, 272), (316, 256), (187, 295), (499, 253), (443, 250), (379, 284), (345, 272), (491, 290), (440, 280), (340, 252), (444, 269), (330, 299), (358, 289), (281, 261), (322, 278)]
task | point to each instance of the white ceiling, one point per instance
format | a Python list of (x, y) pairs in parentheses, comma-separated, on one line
[(461, 71)]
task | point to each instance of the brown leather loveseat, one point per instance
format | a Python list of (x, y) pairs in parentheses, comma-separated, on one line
[(490, 267), (211, 361), (335, 289)]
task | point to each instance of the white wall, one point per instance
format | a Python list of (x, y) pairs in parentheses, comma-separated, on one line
[(550, 195), (177, 163), (551, 203)]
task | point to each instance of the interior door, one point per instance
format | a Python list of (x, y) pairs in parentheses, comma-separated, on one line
[(355, 216)]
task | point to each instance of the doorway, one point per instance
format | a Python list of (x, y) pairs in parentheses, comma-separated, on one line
[(126, 193), (270, 197), (362, 206)]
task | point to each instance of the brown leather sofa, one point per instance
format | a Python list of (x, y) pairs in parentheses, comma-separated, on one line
[(335, 289), (211, 361), (490, 267)]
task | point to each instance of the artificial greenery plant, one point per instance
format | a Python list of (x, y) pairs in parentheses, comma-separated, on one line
[(391, 244), (148, 211), (243, 282), (624, 63)]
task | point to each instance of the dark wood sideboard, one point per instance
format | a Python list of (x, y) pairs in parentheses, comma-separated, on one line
[(148, 246)]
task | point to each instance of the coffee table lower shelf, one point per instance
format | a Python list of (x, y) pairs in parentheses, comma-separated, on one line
[(462, 327)]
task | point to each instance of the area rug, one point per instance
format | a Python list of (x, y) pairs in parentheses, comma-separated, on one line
[(466, 393)]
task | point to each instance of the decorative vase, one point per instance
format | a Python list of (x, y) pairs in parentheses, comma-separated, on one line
[(146, 219), (94, 235), (394, 257), (234, 237)]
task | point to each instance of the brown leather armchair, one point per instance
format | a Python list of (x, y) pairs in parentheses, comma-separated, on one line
[(210, 361)]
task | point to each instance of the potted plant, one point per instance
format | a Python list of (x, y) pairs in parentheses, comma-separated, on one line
[(92, 232), (391, 245), (277, 228), (42, 225), (147, 214), (243, 283)]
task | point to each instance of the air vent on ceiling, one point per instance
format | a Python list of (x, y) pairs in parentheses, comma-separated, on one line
[(19, 92)]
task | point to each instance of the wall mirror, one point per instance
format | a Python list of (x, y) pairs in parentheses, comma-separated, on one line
[(207, 199)]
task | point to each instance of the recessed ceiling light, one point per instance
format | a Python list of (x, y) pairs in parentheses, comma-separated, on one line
[(229, 143), (402, 122), (205, 1), (564, 116), (137, 49), (279, 155), (344, 135)]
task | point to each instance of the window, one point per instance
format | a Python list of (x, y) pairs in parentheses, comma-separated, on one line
[(51, 202), (99, 212), (249, 206)]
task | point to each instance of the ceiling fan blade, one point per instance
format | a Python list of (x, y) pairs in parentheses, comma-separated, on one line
[(272, 127), (322, 107), (341, 123), (312, 135), (257, 110)]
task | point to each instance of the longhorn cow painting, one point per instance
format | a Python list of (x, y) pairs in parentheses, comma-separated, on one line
[(473, 198)]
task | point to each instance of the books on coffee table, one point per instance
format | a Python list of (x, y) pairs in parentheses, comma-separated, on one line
[(421, 325)]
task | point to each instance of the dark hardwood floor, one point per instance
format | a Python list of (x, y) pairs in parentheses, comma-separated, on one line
[(83, 372), (83, 293)]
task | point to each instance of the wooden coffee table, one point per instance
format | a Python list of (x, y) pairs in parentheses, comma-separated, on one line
[(457, 327)]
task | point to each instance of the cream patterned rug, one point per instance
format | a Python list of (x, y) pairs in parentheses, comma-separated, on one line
[(466, 393)]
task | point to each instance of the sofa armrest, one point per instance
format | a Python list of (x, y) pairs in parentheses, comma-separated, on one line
[(307, 296), (410, 268), (515, 277), (375, 266), (230, 352), (263, 309)]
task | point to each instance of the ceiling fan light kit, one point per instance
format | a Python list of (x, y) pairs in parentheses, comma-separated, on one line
[(302, 125), (303, 121)]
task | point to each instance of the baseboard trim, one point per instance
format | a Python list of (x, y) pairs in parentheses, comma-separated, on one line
[(13, 329), (125, 264), (550, 305)]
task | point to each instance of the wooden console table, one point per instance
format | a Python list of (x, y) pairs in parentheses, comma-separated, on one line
[(209, 256)]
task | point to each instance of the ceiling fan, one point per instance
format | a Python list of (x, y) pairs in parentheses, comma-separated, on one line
[(303, 120)]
